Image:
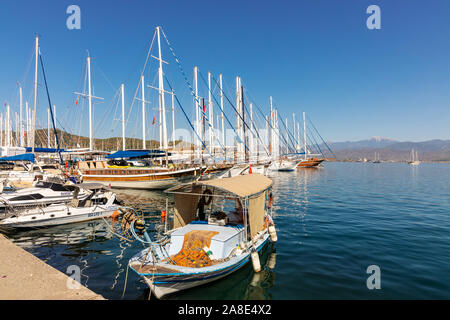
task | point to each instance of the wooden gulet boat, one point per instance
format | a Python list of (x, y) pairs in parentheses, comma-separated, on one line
[(208, 240), (310, 162), (136, 177)]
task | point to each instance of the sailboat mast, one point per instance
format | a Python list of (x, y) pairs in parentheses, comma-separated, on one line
[(197, 113), (88, 60), (211, 116), (35, 92), (8, 127), (173, 119), (304, 131), (48, 128), (161, 94), (287, 137), (269, 127), (54, 121), (20, 117), (221, 108), (122, 89), (143, 111)]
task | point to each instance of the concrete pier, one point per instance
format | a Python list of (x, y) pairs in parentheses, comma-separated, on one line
[(25, 277)]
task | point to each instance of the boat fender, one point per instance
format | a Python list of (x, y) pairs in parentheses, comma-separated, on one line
[(273, 234), (163, 216), (255, 261), (140, 225)]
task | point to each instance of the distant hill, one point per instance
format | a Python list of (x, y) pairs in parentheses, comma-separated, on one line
[(388, 149), (67, 141), (374, 142)]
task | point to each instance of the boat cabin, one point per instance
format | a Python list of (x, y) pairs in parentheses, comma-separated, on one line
[(221, 214)]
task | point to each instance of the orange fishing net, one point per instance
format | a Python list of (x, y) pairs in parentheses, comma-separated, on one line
[(192, 253)]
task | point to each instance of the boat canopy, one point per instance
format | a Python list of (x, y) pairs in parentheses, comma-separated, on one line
[(44, 150), (242, 185), (136, 154), (252, 188), (19, 157)]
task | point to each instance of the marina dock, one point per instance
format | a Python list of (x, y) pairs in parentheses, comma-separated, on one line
[(25, 277)]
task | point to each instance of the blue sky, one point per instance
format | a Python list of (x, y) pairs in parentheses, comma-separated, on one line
[(314, 56)]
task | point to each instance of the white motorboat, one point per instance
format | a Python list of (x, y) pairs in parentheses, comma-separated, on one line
[(45, 193), (58, 214)]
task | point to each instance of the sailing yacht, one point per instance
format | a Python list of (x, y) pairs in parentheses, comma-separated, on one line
[(414, 158), (311, 161), (377, 158)]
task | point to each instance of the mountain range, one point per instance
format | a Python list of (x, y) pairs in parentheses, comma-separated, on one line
[(389, 149)]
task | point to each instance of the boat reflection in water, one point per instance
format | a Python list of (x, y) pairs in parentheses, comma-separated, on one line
[(72, 234)]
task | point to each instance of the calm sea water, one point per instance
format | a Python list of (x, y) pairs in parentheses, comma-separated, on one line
[(333, 222)]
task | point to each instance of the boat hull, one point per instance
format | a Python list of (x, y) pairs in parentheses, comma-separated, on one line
[(60, 221), (310, 163), (165, 284), (146, 181)]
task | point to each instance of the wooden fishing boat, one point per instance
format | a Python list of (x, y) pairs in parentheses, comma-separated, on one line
[(218, 227)]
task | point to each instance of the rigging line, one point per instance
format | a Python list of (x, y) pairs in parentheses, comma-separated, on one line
[(96, 65), (190, 87), (142, 72), (102, 122), (264, 117), (311, 137), (321, 137), (289, 134), (50, 107), (189, 121), (209, 122), (27, 70), (256, 130), (228, 120)]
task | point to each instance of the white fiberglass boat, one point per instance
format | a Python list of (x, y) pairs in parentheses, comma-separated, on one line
[(57, 214), (283, 165), (45, 193)]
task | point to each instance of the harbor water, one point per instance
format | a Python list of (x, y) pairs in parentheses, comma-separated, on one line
[(332, 223)]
